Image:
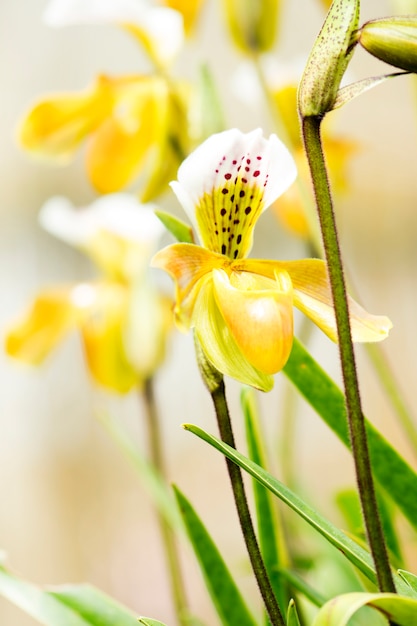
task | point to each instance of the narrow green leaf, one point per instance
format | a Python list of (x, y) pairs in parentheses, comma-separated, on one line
[(394, 475), (409, 578), (179, 229), (158, 491), (302, 587), (357, 555), (271, 544), (292, 615), (148, 621), (66, 606), (339, 610), (224, 593), (93, 605)]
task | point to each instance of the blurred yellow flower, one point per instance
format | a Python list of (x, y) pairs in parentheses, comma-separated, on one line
[(132, 124), (189, 9), (339, 150), (121, 317), (242, 309), (253, 25)]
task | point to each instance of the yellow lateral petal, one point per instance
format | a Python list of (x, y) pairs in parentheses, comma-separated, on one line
[(50, 317), (313, 297), (55, 127), (188, 264), (218, 344), (258, 313)]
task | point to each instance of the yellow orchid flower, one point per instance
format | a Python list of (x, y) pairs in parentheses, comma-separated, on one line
[(242, 309), (122, 319), (132, 123), (189, 9)]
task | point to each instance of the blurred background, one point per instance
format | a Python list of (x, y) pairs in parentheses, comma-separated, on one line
[(73, 509)]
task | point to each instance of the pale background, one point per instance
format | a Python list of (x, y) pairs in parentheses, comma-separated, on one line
[(72, 508)]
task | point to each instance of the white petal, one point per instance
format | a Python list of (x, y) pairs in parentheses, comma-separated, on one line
[(117, 213), (271, 166), (165, 27)]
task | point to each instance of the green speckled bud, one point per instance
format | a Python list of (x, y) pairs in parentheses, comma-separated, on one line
[(328, 59), (393, 40)]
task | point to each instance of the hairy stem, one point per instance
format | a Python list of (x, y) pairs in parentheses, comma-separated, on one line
[(225, 427), (313, 147)]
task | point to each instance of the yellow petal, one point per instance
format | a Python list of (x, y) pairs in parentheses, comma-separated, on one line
[(253, 25), (189, 10), (219, 345), (258, 313), (190, 266), (50, 317), (313, 297), (119, 147), (55, 127), (103, 332)]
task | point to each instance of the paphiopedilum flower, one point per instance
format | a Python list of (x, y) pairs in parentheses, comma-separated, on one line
[(122, 319), (133, 124), (241, 308)]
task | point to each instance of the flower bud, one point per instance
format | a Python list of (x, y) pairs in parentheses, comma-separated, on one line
[(392, 40), (328, 59)]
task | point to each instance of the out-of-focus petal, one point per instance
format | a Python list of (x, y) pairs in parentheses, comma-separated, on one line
[(52, 315), (253, 25), (226, 183), (188, 265), (259, 315), (55, 127), (313, 297), (149, 321), (119, 147), (218, 344), (161, 32), (118, 232), (189, 9), (103, 331)]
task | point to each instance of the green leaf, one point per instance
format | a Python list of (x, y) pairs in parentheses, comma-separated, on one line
[(349, 92), (339, 610), (357, 555), (158, 491), (148, 621), (224, 593), (409, 578), (179, 229), (74, 605), (392, 472), (292, 615), (270, 532)]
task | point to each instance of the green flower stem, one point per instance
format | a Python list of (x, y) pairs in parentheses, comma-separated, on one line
[(167, 534), (225, 428), (313, 147)]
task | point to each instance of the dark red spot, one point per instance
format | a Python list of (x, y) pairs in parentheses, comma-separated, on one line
[(234, 162), (239, 239), (224, 158), (236, 221), (232, 197), (217, 232), (259, 158), (223, 248), (244, 180), (248, 161), (248, 210), (236, 253), (228, 176), (224, 190), (256, 173), (217, 171), (239, 167), (247, 169), (223, 212), (223, 230), (241, 193)]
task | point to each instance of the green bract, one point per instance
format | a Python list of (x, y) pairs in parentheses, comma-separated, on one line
[(393, 40)]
